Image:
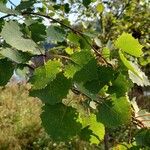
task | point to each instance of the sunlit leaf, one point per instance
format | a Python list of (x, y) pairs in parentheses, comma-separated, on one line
[(141, 79), (69, 50), (45, 74), (128, 64), (100, 8), (70, 70), (128, 44), (92, 131)]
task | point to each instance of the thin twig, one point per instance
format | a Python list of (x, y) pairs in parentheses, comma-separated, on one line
[(106, 140), (61, 56), (68, 27), (73, 30), (11, 3), (3, 17), (29, 66), (138, 122), (48, 17)]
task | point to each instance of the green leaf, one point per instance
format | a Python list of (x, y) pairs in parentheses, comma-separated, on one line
[(135, 73), (6, 10), (106, 74), (69, 50), (141, 79), (4, 1), (86, 2), (6, 71), (120, 86), (128, 44), (1, 24), (70, 70), (124, 146), (18, 42), (55, 34), (67, 8), (144, 61), (14, 55), (55, 91), (92, 86), (38, 31), (60, 122), (142, 137), (45, 74), (114, 112), (87, 73), (106, 53), (73, 38), (128, 64), (26, 5), (23, 72), (92, 131), (85, 43), (85, 68), (100, 8), (82, 58), (88, 92)]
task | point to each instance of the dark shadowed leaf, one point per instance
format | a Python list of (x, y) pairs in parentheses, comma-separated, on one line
[(55, 91), (60, 122), (55, 34), (6, 71), (86, 2), (114, 112), (143, 137)]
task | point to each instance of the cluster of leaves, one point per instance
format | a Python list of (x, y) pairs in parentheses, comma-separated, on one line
[(61, 60), (20, 122)]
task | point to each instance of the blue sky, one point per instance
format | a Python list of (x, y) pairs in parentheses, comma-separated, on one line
[(16, 2)]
